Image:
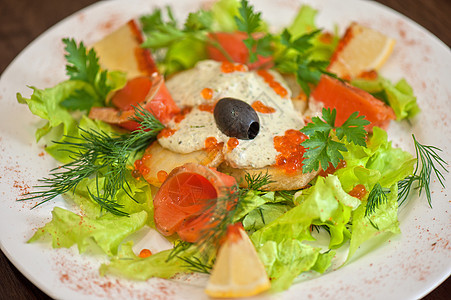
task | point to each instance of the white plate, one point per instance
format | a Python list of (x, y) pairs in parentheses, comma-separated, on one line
[(407, 266)]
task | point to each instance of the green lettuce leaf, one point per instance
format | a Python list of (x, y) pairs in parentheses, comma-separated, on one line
[(224, 12), (107, 232), (317, 205), (183, 54), (399, 96), (304, 23), (264, 214), (378, 162), (126, 264), (46, 104), (324, 261), (254, 199), (383, 220), (285, 260), (331, 206), (60, 151), (137, 198)]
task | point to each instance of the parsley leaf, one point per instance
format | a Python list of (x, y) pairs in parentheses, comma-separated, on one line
[(250, 22), (197, 21), (84, 65), (79, 99), (301, 44), (161, 34), (176, 47), (308, 71), (321, 148), (353, 130)]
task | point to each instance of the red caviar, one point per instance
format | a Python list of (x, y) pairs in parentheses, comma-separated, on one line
[(166, 132), (180, 116), (262, 108), (140, 168), (144, 171), (146, 157), (162, 175), (276, 86), (359, 191), (211, 143), (206, 107), (207, 93), (138, 164), (331, 169), (326, 38), (229, 67), (145, 253), (232, 143), (290, 149), (369, 75), (136, 173)]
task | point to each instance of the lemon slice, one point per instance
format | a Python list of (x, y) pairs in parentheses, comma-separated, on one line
[(121, 50), (238, 271), (360, 50)]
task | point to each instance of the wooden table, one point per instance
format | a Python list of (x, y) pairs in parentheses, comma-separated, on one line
[(21, 21)]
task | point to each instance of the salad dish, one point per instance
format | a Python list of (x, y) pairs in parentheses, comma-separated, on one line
[(228, 151)]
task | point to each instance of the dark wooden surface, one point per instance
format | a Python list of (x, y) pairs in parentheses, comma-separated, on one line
[(21, 21)]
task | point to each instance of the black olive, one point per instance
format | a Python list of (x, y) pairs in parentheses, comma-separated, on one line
[(236, 118)]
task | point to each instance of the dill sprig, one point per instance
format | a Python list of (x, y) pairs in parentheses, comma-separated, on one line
[(427, 157), (377, 196), (287, 195), (96, 153), (193, 263), (249, 21), (256, 182), (222, 213)]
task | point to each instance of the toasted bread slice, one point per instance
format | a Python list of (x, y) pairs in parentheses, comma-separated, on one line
[(159, 159), (280, 179), (121, 50)]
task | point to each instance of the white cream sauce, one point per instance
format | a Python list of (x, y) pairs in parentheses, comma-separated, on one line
[(191, 133)]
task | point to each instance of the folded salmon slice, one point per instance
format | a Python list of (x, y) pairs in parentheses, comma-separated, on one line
[(186, 200)]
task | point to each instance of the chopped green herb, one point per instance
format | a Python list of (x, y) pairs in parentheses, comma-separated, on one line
[(321, 148), (84, 65), (427, 159)]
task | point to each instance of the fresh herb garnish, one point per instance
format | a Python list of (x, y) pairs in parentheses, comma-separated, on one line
[(377, 196), (308, 71), (255, 182), (427, 159), (193, 263), (84, 65), (161, 34), (176, 47), (250, 22), (321, 148), (97, 153)]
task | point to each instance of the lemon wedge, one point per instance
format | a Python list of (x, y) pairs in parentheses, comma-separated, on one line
[(238, 271), (360, 50)]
